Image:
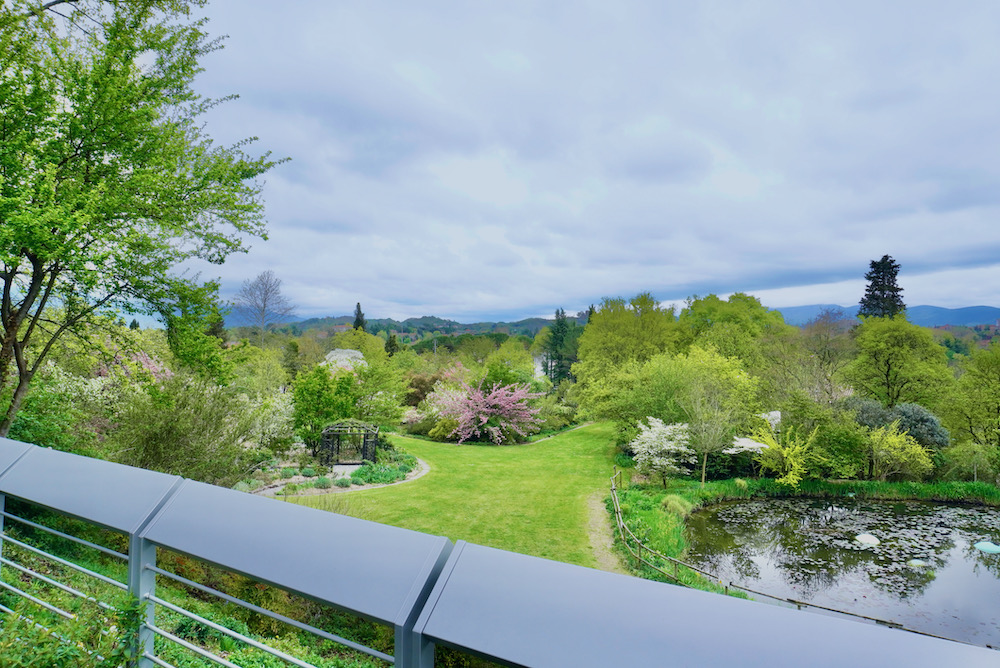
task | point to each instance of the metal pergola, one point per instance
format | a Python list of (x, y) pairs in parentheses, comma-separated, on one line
[(348, 442)]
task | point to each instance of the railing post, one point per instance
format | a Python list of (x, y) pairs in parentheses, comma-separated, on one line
[(412, 649), (3, 509), (141, 585)]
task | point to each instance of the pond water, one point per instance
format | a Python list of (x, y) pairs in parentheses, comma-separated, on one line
[(924, 574)]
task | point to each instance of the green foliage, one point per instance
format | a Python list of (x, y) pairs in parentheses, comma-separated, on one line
[(51, 418), (973, 414), (186, 426), (323, 482), (790, 457), (75, 643), (620, 336), (108, 181), (913, 419), (898, 362), (842, 446), (257, 372), (342, 482), (309, 472), (970, 461), (677, 505), (320, 399), (376, 474), (369, 345), (554, 414), (895, 454), (509, 364), (709, 392), (289, 472), (443, 429)]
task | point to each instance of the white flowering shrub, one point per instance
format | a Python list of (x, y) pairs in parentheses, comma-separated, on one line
[(662, 449)]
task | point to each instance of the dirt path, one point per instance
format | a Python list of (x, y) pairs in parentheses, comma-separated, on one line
[(600, 529), (579, 426)]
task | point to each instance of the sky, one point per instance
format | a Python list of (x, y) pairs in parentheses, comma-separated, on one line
[(499, 160)]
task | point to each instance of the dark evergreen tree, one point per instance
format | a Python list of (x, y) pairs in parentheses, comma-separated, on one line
[(882, 296), (558, 354), (359, 319), (290, 360), (392, 345), (134, 324)]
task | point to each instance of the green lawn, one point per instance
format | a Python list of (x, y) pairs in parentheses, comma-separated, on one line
[(524, 498)]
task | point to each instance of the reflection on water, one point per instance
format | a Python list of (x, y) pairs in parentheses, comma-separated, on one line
[(806, 550)]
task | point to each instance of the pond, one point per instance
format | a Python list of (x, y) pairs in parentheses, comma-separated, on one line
[(924, 573)]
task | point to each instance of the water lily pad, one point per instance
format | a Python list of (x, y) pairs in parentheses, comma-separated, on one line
[(917, 563), (987, 547), (867, 539)]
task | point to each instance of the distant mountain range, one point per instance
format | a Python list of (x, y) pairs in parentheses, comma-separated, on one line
[(429, 323), (925, 316)]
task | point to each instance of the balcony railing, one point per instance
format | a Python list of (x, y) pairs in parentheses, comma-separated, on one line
[(505, 607)]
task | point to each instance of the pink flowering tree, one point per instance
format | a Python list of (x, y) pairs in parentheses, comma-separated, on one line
[(501, 413)]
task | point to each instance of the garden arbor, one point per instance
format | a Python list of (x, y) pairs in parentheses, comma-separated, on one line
[(348, 442)]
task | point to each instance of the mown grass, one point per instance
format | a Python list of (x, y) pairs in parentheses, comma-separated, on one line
[(528, 498), (656, 515)]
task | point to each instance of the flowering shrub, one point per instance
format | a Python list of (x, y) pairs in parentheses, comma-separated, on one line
[(662, 449), (500, 412)]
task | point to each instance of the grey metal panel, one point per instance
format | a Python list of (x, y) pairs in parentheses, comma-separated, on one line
[(10, 451), (371, 569), (539, 613), (115, 496)]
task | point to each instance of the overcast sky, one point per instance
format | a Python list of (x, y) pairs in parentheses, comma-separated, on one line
[(497, 160)]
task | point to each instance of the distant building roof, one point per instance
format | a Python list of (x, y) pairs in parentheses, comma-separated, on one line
[(342, 358)]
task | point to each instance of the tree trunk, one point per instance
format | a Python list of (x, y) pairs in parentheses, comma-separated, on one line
[(704, 464), (15, 404)]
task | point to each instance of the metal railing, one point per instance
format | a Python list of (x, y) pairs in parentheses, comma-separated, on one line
[(78, 516)]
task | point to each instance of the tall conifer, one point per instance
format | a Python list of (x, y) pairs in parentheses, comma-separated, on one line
[(883, 298)]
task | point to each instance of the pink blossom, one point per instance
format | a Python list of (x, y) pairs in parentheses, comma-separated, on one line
[(501, 412)]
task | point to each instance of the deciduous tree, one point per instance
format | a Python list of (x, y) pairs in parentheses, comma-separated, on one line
[(501, 413), (620, 334), (261, 304), (898, 362), (974, 412), (108, 180), (662, 449)]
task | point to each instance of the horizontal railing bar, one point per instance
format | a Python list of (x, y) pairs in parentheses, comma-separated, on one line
[(69, 564), (229, 632), (274, 615), (194, 648), (58, 585), (47, 606), (106, 550), (157, 660)]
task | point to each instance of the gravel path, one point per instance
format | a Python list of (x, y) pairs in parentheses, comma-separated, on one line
[(601, 535)]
